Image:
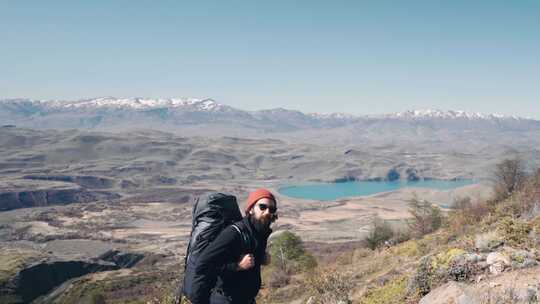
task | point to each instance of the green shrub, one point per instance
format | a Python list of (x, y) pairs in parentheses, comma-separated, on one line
[(465, 214), (421, 282), (393, 292), (95, 297), (451, 264), (407, 249), (289, 255), (426, 217), (460, 269), (443, 259), (379, 233), (307, 262), (401, 235), (287, 245), (277, 278), (329, 287), (513, 231), (509, 208)]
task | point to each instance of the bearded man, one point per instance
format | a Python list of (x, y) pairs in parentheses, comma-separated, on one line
[(229, 269)]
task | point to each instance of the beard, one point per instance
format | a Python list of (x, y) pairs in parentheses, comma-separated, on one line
[(262, 226)]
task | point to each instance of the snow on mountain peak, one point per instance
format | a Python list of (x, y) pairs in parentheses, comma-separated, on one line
[(332, 115), (449, 114), (136, 103)]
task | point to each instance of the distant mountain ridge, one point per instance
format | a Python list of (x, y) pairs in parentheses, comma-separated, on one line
[(208, 104), (133, 103), (450, 114), (109, 113)]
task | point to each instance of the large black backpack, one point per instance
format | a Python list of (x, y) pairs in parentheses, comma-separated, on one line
[(211, 214)]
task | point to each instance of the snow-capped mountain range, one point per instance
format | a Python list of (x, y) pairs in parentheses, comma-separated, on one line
[(174, 113), (208, 104), (134, 103)]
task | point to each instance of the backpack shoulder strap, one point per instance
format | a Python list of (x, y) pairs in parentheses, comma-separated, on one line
[(242, 236)]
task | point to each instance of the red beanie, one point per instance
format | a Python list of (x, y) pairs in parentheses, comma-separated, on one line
[(257, 195)]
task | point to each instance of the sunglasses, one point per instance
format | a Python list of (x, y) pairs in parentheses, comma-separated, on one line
[(263, 207)]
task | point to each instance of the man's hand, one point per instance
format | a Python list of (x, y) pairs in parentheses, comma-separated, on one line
[(246, 262)]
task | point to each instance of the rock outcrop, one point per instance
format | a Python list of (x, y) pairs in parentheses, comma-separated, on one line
[(449, 293), (40, 278), (122, 259), (23, 193), (86, 181)]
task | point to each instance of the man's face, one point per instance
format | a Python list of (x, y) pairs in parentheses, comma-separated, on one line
[(263, 211)]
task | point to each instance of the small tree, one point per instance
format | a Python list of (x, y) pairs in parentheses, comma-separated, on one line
[(464, 214), (528, 196), (288, 253), (285, 247), (509, 177), (426, 217), (379, 233)]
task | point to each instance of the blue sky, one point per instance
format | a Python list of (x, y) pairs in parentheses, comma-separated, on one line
[(358, 57)]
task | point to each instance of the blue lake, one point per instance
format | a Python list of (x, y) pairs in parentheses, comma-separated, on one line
[(332, 191)]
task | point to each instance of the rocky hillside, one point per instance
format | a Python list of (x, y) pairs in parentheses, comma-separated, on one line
[(481, 252), (487, 252)]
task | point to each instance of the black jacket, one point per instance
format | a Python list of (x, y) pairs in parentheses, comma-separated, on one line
[(215, 268)]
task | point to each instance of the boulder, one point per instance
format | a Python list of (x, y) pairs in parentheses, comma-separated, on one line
[(473, 257), (521, 258), (497, 257), (497, 262), (121, 259), (449, 293)]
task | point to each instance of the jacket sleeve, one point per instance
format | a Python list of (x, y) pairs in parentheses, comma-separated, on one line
[(231, 267), (219, 255)]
